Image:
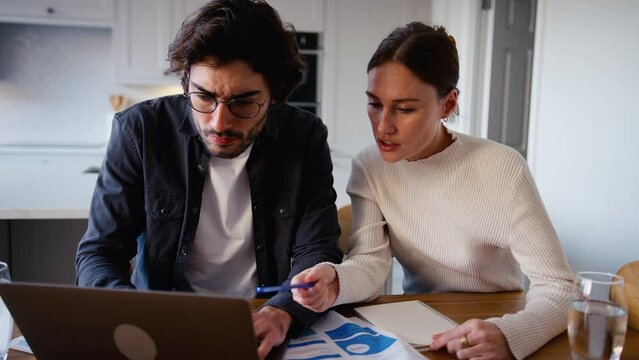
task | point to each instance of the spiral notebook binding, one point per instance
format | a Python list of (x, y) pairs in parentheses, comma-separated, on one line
[(444, 317)]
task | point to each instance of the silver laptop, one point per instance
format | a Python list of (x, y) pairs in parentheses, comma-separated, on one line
[(64, 322)]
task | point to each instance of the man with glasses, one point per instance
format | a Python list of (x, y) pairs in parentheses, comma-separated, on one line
[(225, 187)]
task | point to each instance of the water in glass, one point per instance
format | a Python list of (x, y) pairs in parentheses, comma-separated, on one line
[(597, 317)]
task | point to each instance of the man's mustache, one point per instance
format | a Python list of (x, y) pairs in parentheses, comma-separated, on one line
[(224, 134)]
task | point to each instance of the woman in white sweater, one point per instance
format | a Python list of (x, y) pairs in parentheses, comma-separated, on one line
[(459, 213)]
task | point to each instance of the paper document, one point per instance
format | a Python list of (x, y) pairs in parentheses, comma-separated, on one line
[(334, 336), (20, 344), (413, 321)]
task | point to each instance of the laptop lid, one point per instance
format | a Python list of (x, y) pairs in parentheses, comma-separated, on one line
[(64, 322)]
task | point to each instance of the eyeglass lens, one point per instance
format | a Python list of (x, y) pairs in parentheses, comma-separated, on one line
[(242, 108)]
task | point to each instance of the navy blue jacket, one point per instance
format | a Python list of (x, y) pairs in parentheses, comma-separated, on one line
[(148, 194)]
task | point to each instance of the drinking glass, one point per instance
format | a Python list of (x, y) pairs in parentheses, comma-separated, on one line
[(6, 322), (598, 317)]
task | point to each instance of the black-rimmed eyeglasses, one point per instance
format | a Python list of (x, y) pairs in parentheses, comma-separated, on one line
[(240, 107)]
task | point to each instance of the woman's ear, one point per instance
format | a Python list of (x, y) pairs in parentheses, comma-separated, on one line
[(450, 103)]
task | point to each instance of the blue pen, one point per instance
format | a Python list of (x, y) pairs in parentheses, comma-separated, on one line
[(270, 289)]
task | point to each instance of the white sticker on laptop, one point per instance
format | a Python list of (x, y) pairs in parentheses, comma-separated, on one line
[(134, 343)]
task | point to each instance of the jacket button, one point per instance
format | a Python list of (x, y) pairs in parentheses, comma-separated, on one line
[(255, 207), (282, 211), (174, 289), (194, 210), (201, 168), (163, 211), (259, 247), (184, 252)]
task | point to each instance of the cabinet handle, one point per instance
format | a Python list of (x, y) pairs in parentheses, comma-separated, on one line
[(50, 10)]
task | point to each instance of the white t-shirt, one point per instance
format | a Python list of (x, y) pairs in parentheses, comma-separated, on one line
[(222, 259)]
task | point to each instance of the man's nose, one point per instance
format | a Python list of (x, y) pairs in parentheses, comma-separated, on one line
[(221, 118)]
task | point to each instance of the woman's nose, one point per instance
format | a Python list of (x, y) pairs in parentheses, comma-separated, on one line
[(386, 124)]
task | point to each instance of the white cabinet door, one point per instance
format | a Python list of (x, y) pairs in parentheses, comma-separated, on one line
[(141, 37), (98, 13), (144, 29), (354, 29), (180, 10), (305, 15)]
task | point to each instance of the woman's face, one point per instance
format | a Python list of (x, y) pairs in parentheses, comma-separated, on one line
[(406, 113)]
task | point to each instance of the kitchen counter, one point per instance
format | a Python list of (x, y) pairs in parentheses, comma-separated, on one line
[(46, 186), (44, 207), (55, 187)]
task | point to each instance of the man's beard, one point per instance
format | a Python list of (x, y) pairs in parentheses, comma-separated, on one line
[(245, 142)]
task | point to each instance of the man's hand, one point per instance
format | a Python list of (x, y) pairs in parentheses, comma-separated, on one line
[(270, 325), (323, 294), (474, 339)]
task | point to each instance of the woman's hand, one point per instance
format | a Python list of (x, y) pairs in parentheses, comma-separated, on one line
[(474, 339), (323, 294)]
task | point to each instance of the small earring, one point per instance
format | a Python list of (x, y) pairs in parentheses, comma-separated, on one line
[(445, 119)]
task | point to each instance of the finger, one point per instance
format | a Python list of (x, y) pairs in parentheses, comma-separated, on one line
[(445, 338), (258, 329), (300, 295), (453, 346), (322, 273), (456, 344), (473, 352), (449, 335), (316, 304), (473, 349), (264, 348), (312, 275), (301, 277), (308, 275), (305, 297)]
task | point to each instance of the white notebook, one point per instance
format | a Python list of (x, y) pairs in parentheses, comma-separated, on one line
[(412, 321)]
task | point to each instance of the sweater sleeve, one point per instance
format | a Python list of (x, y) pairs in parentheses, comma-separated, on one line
[(364, 270), (534, 244)]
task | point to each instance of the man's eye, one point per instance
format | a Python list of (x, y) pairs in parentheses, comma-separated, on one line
[(204, 97), (242, 102)]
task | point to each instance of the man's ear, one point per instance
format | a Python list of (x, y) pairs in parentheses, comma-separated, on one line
[(450, 103)]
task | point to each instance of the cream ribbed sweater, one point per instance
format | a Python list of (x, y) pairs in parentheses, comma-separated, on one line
[(465, 219)]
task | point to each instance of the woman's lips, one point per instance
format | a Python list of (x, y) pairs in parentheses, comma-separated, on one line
[(386, 145)]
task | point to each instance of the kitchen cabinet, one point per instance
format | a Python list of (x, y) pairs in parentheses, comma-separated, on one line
[(42, 250), (354, 29), (305, 15), (40, 226), (141, 37), (145, 28), (95, 13)]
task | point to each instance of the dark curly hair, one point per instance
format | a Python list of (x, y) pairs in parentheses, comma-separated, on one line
[(428, 51), (250, 30)]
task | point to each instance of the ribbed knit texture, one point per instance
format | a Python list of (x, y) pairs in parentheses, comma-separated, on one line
[(467, 219)]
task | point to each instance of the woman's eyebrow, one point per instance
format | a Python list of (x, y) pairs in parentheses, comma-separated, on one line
[(402, 100)]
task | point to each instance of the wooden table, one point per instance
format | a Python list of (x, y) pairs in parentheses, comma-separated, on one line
[(461, 307), (464, 306)]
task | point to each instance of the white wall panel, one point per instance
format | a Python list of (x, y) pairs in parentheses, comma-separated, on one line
[(584, 124)]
